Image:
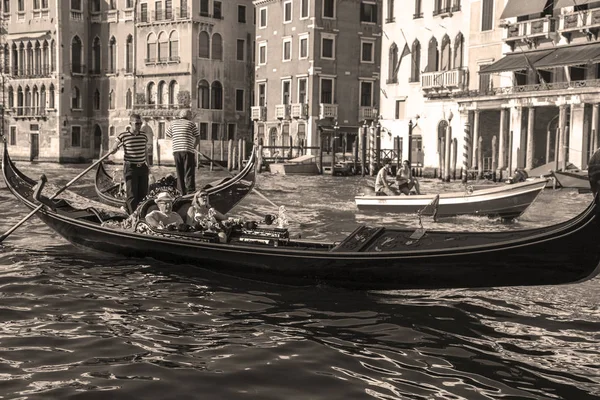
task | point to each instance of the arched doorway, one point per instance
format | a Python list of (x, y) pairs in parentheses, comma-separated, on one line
[(98, 147)]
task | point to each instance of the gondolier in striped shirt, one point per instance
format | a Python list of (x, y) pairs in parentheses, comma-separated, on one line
[(135, 162), (185, 137)]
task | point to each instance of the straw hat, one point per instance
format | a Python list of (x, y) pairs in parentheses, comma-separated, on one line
[(164, 196)]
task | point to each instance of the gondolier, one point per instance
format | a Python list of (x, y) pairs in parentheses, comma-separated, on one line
[(135, 162), (185, 137)]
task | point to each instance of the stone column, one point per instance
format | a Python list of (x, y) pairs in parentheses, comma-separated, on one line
[(595, 109), (502, 141), (576, 146), (515, 146), (562, 142), (475, 138), (447, 150), (530, 138)]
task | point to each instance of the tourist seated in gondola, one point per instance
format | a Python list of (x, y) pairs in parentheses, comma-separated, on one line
[(201, 215), (164, 217), (382, 187), (405, 179)]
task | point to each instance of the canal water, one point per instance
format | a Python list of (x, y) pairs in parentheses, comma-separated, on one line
[(78, 325)]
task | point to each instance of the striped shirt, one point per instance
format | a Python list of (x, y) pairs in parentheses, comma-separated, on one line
[(134, 146), (184, 134)]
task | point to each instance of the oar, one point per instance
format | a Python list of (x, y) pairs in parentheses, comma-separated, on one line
[(38, 208), (254, 189)]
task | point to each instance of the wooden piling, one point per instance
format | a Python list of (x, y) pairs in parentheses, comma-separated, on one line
[(454, 155), (212, 154), (494, 149), (480, 158), (229, 154)]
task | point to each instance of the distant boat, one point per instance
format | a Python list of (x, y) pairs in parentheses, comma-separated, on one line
[(303, 165), (505, 201), (572, 179)]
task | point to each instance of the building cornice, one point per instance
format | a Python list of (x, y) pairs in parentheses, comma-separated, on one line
[(263, 2)]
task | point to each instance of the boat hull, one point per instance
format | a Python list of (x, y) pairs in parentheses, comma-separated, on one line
[(572, 180), (506, 201)]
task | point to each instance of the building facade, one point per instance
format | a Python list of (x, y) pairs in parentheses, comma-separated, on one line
[(317, 71), (74, 74)]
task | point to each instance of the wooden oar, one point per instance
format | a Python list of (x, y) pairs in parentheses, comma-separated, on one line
[(38, 208), (254, 189)]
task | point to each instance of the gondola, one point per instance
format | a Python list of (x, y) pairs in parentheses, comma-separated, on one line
[(572, 179), (503, 201), (368, 258), (223, 195)]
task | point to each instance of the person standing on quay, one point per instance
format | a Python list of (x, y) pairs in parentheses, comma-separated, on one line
[(185, 137), (135, 162)]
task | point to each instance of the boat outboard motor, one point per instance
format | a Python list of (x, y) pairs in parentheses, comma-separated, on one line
[(594, 172)]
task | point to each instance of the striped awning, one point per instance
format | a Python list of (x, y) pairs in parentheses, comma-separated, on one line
[(571, 55), (518, 8), (571, 3), (516, 61)]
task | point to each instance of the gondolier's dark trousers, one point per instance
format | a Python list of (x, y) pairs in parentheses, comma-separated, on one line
[(136, 184), (185, 164)]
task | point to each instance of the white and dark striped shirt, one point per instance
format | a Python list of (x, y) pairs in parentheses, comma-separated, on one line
[(134, 146), (184, 134)]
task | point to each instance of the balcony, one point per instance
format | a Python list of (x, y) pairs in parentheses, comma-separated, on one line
[(299, 110), (258, 113), (579, 20), (444, 80), (527, 30), (282, 111), (112, 16), (163, 16), (27, 112), (328, 111), (77, 15), (367, 113)]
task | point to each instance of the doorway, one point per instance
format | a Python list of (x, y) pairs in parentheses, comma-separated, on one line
[(34, 151), (97, 141)]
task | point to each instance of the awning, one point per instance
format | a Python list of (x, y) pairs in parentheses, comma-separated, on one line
[(571, 3), (515, 61), (353, 130), (517, 8), (572, 55), (25, 36)]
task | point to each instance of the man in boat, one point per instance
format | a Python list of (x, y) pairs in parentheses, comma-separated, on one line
[(405, 179), (382, 187), (185, 135), (135, 162), (164, 217), (201, 215)]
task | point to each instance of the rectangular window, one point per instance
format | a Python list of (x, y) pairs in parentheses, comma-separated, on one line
[(75, 5), (366, 94), (367, 53), (6, 6), (303, 9), (241, 14), (214, 134), (36, 4), (217, 10), (418, 9), (262, 54), (158, 14), (203, 131), (328, 46), (302, 87), (75, 136), (13, 136), (241, 45), (204, 10), (161, 129), (487, 15), (400, 106), (144, 12), (368, 12), (239, 100), (262, 18), (328, 8), (287, 11), (326, 91), (168, 9), (286, 87), (287, 49), (484, 82), (303, 47), (231, 131), (262, 94)]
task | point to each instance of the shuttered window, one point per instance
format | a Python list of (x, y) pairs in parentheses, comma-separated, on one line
[(487, 15)]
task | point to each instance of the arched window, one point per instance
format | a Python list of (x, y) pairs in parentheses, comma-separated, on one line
[(111, 100), (76, 56), (151, 50), (174, 46), (42, 99), (29, 59), (151, 93), (129, 100), (96, 99), (442, 126), (27, 101), (51, 97), (162, 95), (216, 96), (458, 51), (20, 101), (45, 58), (6, 59), (21, 56), (96, 61), (393, 64), (15, 60), (96, 5), (112, 55), (445, 59), (203, 45), (11, 99), (35, 101), (203, 95), (52, 56), (129, 54), (163, 47), (273, 137), (432, 56), (37, 61), (173, 90), (75, 98), (415, 67), (217, 47), (111, 131)]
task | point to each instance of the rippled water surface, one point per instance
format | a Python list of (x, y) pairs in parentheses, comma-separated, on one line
[(79, 325)]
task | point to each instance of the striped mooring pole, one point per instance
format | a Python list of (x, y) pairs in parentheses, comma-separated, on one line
[(466, 152)]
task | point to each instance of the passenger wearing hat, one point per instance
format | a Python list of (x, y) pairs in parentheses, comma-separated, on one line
[(201, 211), (185, 137), (382, 188), (164, 217)]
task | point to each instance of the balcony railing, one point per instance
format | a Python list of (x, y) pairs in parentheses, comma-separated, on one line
[(368, 113), (282, 111), (535, 28), (258, 113), (28, 111), (452, 79), (299, 110), (32, 72), (328, 111), (579, 20), (77, 15), (173, 14)]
